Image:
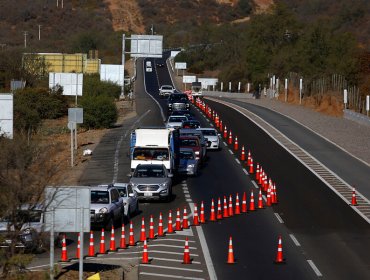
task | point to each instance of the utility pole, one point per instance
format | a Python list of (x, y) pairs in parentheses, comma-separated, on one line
[(40, 32), (25, 33)]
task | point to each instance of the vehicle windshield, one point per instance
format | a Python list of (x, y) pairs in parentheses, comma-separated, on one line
[(176, 118), (189, 142), (178, 97), (186, 155), (150, 154), (99, 197), (122, 191), (209, 133), (149, 171)]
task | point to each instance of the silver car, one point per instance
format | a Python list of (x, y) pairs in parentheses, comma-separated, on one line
[(152, 182), (212, 137), (175, 121), (130, 200), (188, 162)]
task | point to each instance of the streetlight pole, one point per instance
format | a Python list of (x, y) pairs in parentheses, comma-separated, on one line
[(25, 38), (40, 32)]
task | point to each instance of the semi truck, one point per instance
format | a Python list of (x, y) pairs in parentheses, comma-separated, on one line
[(153, 146)]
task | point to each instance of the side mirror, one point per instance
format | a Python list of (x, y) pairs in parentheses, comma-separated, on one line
[(170, 175)]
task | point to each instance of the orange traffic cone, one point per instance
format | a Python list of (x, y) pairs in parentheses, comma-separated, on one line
[(226, 210), (142, 231), (212, 216), (242, 155), (112, 244), (251, 170), (237, 205), (202, 216), (160, 225), (354, 199), (230, 137), (64, 257), (260, 201), (260, 177), (220, 126), (231, 208), (258, 172), (131, 240), (249, 158), (225, 132), (178, 221), (170, 225), (236, 144), (268, 200), (251, 202), (244, 203), (102, 242), (230, 253), (91, 252), (219, 210), (185, 221), (279, 256), (151, 228), (145, 257), (195, 216), (274, 199), (187, 259), (122, 242), (78, 246)]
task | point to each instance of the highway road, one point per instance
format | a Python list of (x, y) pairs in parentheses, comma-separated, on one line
[(322, 236)]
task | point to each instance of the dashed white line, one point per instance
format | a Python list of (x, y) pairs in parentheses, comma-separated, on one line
[(237, 160), (264, 197), (189, 200), (255, 184), (173, 260), (187, 195), (314, 267), (168, 252), (170, 276), (185, 190), (224, 143), (174, 268), (279, 218), (294, 240), (246, 172), (170, 246), (172, 239), (231, 152)]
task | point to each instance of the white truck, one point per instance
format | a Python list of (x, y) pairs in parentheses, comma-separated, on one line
[(196, 89), (153, 146)]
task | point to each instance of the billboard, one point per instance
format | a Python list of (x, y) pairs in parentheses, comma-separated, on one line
[(71, 82), (180, 65), (112, 73), (146, 46), (208, 82), (189, 79), (6, 115)]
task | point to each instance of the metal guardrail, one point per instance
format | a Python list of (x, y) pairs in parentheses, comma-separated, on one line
[(332, 180), (356, 117)]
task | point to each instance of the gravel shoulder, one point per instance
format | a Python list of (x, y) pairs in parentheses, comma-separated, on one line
[(347, 134)]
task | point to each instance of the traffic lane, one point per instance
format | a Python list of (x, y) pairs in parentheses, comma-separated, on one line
[(309, 208), (346, 166)]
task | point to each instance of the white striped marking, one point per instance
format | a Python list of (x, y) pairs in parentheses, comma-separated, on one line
[(279, 218), (169, 253), (314, 267), (174, 268), (246, 172), (173, 260), (238, 161), (187, 195), (170, 246), (172, 239), (170, 276), (224, 143), (264, 198), (186, 190), (188, 200), (294, 240), (255, 184), (231, 152)]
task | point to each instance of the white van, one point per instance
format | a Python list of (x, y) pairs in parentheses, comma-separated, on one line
[(148, 66)]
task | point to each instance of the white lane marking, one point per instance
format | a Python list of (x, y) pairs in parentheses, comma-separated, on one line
[(172, 239), (212, 125), (206, 253), (224, 143), (171, 267), (238, 161), (169, 253), (208, 120), (155, 100), (170, 276), (264, 197), (187, 196), (170, 246), (183, 182), (255, 184), (185, 190), (246, 172), (314, 267), (279, 218), (188, 200), (294, 240), (173, 260), (231, 152)]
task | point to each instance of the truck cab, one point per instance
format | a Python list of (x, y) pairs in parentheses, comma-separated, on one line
[(196, 89)]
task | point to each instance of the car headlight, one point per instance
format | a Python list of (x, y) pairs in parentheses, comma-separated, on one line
[(103, 210), (197, 152), (163, 185), (191, 165)]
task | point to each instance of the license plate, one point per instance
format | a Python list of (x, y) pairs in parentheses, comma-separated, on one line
[(148, 194)]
